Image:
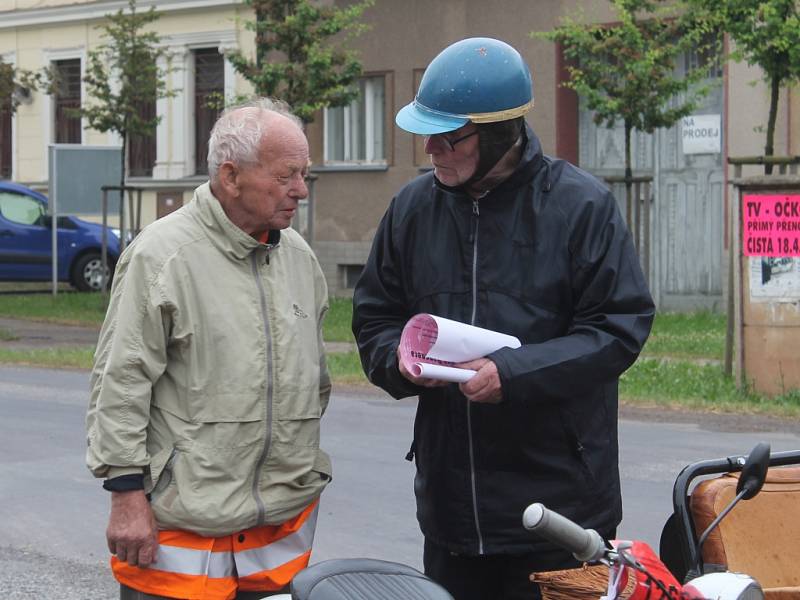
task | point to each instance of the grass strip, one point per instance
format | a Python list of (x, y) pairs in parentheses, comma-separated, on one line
[(89, 309), (649, 382), (674, 369), (684, 384), (52, 358), (68, 308), (7, 336), (687, 335), (345, 368), (336, 327)]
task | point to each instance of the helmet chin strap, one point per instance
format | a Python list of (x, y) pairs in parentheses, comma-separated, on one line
[(494, 142)]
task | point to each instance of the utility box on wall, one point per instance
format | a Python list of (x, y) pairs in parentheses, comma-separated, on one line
[(766, 246)]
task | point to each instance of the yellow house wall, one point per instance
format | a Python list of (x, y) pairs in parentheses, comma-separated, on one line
[(32, 4), (29, 45)]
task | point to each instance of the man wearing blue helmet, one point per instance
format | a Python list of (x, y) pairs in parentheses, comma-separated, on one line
[(502, 237)]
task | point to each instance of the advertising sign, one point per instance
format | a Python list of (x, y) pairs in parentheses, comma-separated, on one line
[(771, 238), (771, 225)]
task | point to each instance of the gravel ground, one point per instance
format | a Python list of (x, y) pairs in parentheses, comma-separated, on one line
[(29, 575)]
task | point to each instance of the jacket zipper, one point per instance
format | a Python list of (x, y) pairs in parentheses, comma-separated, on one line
[(268, 365), (476, 213)]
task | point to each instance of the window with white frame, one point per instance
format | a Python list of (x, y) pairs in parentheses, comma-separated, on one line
[(67, 99), (356, 133), (209, 82)]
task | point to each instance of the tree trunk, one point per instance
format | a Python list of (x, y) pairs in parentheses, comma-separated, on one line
[(769, 149), (628, 177), (261, 16), (123, 155)]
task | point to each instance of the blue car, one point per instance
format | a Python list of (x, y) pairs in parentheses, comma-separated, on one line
[(26, 242)]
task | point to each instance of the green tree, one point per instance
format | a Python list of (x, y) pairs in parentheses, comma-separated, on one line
[(767, 35), (627, 70), (15, 83), (295, 60), (123, 75)]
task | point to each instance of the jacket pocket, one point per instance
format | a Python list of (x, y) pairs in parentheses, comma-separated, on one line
[(322, 465), (298, 402), (206, 490), (578, 450), (226, 406), (159, 466), (233, 404), (160, 472), (299, 433)]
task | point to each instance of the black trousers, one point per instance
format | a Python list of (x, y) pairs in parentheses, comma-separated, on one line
[(494, 577)]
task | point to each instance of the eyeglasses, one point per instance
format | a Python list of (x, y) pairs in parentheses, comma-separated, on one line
[(451, 144)]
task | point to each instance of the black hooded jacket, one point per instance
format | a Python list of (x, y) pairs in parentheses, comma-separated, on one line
[(546, 257)]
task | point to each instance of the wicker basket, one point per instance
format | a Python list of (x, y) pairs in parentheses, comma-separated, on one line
[(585, 583)]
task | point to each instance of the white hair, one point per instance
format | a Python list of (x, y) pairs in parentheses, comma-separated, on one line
[(239, 131)]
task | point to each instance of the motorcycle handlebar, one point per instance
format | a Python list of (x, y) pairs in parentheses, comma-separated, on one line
[(586, 545)]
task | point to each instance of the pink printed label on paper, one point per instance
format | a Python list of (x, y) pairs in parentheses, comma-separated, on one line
[(771, 225), (418, 337)]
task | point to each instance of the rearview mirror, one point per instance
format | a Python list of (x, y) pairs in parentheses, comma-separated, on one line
[(754, 472)]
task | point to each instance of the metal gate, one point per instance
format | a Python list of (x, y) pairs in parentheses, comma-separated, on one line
[(684, 226)]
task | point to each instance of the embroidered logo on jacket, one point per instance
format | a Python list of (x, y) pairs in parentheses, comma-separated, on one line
[(298, 312)]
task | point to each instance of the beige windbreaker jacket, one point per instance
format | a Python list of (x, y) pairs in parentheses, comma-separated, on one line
[(210, 375)]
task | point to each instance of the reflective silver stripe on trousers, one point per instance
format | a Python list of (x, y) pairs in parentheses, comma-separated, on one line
[(279, 552), (188, 561)]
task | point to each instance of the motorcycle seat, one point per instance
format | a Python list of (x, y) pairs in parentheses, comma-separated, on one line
[(349, 578), (759, 536)]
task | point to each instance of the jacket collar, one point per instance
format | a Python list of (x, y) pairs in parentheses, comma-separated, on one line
[(222, 232), (529, 165)]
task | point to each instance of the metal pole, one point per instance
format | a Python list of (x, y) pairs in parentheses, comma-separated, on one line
[(646, 224), (104, 244), (54, 225), (637, 214), (739, 286), (121, 219), (131, 209), (138, 212), (655, 284)]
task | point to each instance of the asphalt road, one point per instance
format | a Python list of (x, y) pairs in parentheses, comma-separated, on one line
[(52, 513)]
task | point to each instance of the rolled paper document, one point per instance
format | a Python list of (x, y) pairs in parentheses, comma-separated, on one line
[(431, 371), (430, 346)]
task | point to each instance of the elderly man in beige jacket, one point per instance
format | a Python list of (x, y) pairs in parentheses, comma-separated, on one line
[(210, 379)]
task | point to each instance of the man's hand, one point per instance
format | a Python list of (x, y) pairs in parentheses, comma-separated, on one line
[(423, 381), (132, 533), (485, 386)]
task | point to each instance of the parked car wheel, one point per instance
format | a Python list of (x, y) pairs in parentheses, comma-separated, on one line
[(87, 273)]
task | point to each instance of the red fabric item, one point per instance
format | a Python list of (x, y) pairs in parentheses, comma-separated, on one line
[(646, 588)]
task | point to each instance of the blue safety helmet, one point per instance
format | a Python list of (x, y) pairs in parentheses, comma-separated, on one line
[(482, 80)]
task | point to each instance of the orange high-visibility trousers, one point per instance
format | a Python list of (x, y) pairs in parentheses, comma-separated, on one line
[(192, 567)]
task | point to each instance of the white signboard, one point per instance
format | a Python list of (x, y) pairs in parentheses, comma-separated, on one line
[(774, 279), (701, 134)]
